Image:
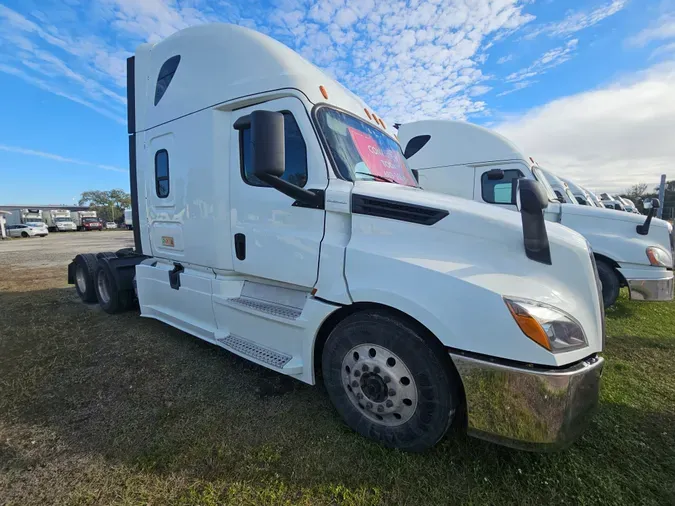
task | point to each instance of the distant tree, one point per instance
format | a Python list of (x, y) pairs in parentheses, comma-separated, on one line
[(636, 192), (109, 205)]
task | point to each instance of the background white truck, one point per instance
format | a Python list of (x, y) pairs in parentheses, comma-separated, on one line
[(475, 163), (58, 220), (275, 216), (128, 219), (24, 217)]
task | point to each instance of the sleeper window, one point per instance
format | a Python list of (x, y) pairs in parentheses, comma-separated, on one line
[(162, 173), (500, 191), (296, 154)]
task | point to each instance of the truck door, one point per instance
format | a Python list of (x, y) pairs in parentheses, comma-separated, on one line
[(496, 184), (272, 236)]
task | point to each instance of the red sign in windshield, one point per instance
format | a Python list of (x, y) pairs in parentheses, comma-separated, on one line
[(383, 163)]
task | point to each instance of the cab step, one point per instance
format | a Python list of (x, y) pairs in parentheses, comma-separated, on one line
[(270, 308), (261, 354)]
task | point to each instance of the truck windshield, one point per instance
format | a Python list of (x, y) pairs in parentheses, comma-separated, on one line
[(361, 151), (89, 220), (539, 176), (62, 219)]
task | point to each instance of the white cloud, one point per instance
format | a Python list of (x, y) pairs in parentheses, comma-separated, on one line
[(59, 158), (551, 58), (576, 21), (663, 29), (505, 59), (407, 60), (608, 138), (520, 85)]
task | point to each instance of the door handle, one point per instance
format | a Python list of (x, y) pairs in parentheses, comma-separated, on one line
[(240, 246)]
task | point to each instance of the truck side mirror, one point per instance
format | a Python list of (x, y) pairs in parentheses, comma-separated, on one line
[(531, 201), (268, 155), (495, 175), (654, 205)]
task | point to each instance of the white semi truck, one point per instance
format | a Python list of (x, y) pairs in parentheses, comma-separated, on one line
[(58, 220), (475, 163), (419, 310)]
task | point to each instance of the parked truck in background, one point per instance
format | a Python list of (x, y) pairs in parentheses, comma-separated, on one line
[(475, 163), (78, 217), (128, 219), (420, 310), (58, 220), (24, 217)]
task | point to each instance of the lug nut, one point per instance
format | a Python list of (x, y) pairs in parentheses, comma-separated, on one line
[(389, 403), (369, 405), (357, 373), (387, 379), (376, 370), (355, 383), (380, 409), (364, 368), (391, 392), (359, 396)]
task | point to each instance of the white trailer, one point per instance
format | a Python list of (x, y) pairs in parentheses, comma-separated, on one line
[(78, 217), (128, 219), (476, 163), (58, 220), (275, 217)]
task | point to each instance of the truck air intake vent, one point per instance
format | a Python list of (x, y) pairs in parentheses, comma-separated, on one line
[(382, 208), (165, 76)]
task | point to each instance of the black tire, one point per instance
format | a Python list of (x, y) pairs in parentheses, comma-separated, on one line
[(111, 300), (86, 265), (434, 383), (24, 234), (610, 283)]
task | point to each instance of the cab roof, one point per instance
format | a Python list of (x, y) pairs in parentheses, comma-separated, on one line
[(220, 63), (455, 143)]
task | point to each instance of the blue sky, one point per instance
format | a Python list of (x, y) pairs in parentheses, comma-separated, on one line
[(587, 87)]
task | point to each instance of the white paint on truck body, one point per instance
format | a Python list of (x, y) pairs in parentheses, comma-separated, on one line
[(455, 148)]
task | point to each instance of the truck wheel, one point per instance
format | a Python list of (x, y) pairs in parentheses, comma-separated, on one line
[(24, 234), (85, 268), (610, 283), (111, 299), (388, 382)]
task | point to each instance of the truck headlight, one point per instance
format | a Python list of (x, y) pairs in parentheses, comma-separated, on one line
[(659, 257), (547, 326)]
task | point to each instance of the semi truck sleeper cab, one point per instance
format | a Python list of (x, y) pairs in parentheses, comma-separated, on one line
[(276, 217)]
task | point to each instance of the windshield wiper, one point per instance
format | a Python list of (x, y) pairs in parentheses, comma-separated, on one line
[(379, 178)]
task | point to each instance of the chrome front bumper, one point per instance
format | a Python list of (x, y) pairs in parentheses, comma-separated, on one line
[(651, 289), (529, 408)]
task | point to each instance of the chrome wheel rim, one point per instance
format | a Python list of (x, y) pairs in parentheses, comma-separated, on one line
[(103, 288), (379, 384), (81, 279)]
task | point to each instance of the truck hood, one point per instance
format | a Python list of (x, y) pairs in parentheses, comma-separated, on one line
[(469, 218), (614, 233), (471, 258)]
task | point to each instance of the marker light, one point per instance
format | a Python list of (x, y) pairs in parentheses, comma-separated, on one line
[(323, 92), (368, 114)]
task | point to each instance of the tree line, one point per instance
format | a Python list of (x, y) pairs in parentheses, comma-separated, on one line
[(638, 192), (108, 204)]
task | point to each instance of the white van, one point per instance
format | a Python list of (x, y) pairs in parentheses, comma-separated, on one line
[(275, 217), (475, 163)]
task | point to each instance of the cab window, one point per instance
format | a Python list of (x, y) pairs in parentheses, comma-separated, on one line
[(296, 154), (500, 191)]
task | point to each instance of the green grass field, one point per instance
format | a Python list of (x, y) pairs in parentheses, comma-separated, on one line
[(99, 409)]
